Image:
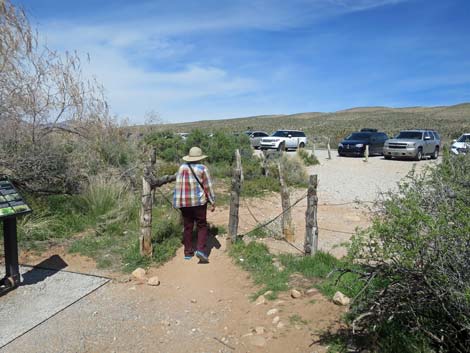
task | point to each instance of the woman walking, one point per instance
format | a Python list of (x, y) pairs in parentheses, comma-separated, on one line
[(193, 191)]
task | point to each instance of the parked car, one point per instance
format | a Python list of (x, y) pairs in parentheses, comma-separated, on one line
[(284, 140), (461, 145), (355, 144), (183, 135), (255, 138), (414, 144)]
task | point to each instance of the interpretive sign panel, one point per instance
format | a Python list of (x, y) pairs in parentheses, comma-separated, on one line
[(11, 202)]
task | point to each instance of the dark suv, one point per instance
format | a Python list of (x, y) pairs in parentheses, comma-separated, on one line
[(355, 144)]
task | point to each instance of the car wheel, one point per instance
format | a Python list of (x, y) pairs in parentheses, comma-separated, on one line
[(301, 145), (387, 156), (435, 154), (419, 154)]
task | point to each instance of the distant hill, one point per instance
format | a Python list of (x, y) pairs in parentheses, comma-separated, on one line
[(449, 121)]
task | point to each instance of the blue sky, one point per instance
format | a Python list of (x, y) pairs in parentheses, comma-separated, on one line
[(207, 59)]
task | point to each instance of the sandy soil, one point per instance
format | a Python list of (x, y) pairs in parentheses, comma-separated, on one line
[(208, 308)]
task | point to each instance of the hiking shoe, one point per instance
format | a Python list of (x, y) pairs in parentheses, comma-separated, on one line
[(202, 257), (189, 257)]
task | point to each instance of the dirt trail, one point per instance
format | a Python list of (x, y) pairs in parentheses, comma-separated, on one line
[(196, 308)]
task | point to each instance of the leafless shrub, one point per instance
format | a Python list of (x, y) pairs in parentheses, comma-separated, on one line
[(48, 110)]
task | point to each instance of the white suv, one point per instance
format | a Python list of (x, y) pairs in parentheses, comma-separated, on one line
[(461, 145), (284, 140)]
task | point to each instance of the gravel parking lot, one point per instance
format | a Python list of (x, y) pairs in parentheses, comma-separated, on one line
[(346, 179)]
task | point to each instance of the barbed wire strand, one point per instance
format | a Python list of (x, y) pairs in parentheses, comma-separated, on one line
[(336, 231), (276, 238), (358, 202), (273, 219)]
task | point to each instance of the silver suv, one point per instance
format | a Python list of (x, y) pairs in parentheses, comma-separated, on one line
[(284, 140), (414, 144)]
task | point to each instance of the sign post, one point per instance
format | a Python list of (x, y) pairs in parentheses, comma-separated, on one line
[(12, 206)]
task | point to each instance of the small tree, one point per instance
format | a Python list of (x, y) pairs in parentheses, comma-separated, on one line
[(46, 106)]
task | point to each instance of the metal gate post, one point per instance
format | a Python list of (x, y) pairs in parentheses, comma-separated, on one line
[(12, 269)]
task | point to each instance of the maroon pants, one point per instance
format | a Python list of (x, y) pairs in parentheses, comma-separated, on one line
[(191, 215)]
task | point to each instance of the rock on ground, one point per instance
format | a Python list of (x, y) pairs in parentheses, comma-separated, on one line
[(294, 293), (260, 300), (153, 281), (139, 273), (341, 299), (272, 312)]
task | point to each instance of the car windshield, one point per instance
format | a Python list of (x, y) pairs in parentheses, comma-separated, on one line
[(358, 136), (281, 133), (464, 138), (410, 135)]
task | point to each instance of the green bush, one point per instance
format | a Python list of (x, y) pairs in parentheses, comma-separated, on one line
[(308, 158), (170, 147), (418, 249), (219, 147), (166, 239)]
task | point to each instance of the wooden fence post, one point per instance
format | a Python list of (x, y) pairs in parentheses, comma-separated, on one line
[(329, 148), (287, 230), (237, 179), (311, 232), (145, 239), (265, 167), (366, 154)]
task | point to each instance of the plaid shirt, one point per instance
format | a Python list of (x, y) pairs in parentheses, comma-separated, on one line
[(188, 192)]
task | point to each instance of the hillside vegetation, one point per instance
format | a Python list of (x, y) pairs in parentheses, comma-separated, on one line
[(449, 121)]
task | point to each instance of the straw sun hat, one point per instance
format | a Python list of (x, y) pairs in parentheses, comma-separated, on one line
[(195, 154)]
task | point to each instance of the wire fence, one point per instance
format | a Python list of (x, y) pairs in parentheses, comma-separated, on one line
[(272, 227)]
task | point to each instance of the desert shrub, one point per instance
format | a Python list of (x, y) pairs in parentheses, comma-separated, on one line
[(106, 147), (109, 204), (55, 124), (418, 249), (220, 147), (170, 146), (47, 167), (307, 158), (260, 185), (294, 171)]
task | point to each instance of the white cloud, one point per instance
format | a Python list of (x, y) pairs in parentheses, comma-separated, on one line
[(118, 59), (143, 53)]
